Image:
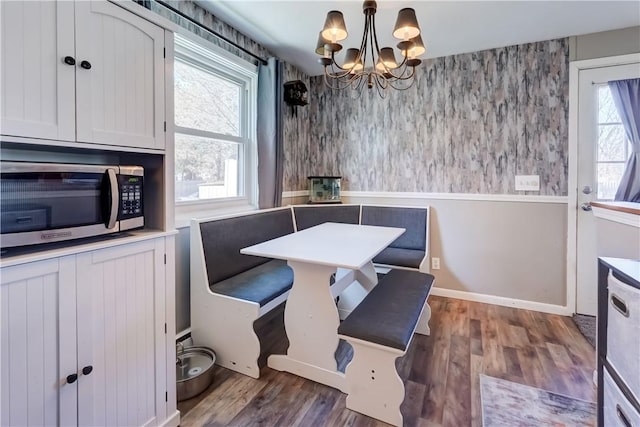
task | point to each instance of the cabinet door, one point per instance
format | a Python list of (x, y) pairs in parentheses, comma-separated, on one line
[(120, 99), (38, 344), (121, 335), (37, 87)]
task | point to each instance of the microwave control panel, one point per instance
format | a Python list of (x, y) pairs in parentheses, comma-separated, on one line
[(130, 196)]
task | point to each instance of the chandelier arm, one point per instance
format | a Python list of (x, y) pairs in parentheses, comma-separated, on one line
[(397, 87), (339, 83), (363, 42)]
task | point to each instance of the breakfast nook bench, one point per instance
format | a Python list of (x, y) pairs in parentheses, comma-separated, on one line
[(229, 290), (380, 329)]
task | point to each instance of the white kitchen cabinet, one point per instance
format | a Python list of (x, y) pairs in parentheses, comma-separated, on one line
[(37, 87), (83, 338), (38, 344), (86, 71)]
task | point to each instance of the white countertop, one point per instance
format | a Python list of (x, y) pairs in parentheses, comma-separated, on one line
[(341, 245)]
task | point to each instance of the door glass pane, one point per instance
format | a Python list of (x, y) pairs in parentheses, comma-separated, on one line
[(613, 147), (609, 176), (206, 101), (206, 168), (612, 143), (607, 112)]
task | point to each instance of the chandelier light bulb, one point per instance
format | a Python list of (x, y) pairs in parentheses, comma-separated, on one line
[(417, 49), (406, 25), (334, 29)]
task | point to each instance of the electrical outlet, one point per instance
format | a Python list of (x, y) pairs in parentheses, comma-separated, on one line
[(435, 263), (527, 182)]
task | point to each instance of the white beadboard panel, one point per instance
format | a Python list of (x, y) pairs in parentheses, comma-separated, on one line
[(168, 379), (116, 293), (121, 98), (38, 88), (33, 366)]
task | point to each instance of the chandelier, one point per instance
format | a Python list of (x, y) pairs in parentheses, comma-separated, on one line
[(370, 64)]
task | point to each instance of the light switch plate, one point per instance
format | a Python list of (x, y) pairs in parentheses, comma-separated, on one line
[(527, 182)]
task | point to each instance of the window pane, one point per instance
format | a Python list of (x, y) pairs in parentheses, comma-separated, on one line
[(206, 101), (609, 176), (607, 112), (206, 168), (612, 143)]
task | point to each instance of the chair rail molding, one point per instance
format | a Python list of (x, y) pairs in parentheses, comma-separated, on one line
[(521, 198)]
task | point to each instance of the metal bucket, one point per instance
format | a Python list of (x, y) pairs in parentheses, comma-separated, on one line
[(194, 371)]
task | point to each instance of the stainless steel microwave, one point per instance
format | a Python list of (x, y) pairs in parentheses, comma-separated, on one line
[(52, 202)]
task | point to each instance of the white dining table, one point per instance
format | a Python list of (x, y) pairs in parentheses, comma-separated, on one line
[(311, 316)]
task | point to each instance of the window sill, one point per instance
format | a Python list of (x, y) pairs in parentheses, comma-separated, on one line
[(185, 213)]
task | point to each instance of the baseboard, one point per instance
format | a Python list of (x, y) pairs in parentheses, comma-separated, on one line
[(172, 421), (503, 301)]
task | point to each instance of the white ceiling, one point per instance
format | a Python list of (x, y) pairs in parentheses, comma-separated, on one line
[(290, 29)]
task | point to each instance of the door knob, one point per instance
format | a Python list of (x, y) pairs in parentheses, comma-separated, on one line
[(585, 207), (587, 190), (87, 370), (72, 378), (86, 65), (69, 60)]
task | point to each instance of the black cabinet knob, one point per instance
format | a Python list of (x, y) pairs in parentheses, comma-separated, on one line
[(69, 60), (72, 378), (87, 370), (86, 65)]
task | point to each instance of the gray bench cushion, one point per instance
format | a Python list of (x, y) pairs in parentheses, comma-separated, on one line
[(222, 240), (310, 216), (402, 257), (413, 220), (260, 284), (389, 313)]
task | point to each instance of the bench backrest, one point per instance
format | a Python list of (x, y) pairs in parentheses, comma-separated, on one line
[(309, 216), (412, 219), (222, 240)]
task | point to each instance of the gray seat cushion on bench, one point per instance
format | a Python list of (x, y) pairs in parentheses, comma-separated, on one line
[(260, 284), (389, 313), (307, 217), (222, 240), (402, 257), (413, 220)]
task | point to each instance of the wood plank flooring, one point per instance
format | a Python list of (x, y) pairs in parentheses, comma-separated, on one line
[(441, 372)]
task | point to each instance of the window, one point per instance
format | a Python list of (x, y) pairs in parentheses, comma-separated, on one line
[(613, 148), (215, 150)]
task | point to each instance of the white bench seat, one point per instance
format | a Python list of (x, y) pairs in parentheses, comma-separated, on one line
[(380, 329)]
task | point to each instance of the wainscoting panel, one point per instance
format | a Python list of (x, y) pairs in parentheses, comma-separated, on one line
[(504, 250)]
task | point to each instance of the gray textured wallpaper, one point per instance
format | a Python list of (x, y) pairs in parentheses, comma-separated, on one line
[(470, 123)]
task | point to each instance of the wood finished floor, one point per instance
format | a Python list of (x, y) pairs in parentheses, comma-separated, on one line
[(441, 372)]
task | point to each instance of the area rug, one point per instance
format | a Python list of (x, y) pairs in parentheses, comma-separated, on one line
[(587, 327), (505, 403)]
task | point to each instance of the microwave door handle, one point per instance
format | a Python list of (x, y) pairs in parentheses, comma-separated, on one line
[(115, 198)]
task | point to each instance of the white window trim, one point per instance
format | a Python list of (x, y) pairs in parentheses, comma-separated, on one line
[(212, 56)]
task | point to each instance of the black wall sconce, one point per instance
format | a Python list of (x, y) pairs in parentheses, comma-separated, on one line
[(295, 93)]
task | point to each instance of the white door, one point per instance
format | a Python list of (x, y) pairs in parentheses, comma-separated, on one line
[(38, 344), (119, 78), (121, 353), (602, 152), (37, 86)]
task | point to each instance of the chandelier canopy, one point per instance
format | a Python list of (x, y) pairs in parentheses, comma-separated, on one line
[(370, 64)]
